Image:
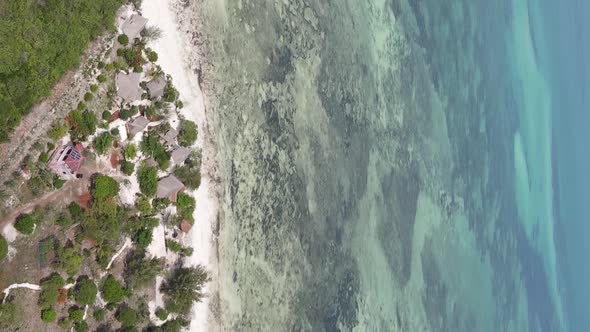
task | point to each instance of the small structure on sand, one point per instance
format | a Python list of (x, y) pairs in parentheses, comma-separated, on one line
[(185, 226), (170, 137), (180, 154), (128, 87), (169, 187), (156, 87), (134, 25), (67, 160), (136, 125)]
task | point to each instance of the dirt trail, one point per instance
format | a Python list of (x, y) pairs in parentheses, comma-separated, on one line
[(69, 192)]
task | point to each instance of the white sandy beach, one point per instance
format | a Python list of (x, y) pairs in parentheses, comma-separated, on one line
[(172, 57)]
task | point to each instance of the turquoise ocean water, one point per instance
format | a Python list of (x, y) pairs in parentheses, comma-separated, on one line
[(401, 165)]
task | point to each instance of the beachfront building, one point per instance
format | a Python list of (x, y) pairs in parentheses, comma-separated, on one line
[(67, 160), (170, 137), (156, 87), (133, 26), (128, 87), (169, 187), (180, 154), (136, 126)]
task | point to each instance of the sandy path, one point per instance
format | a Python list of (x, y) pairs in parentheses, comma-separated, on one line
[(174, 55)]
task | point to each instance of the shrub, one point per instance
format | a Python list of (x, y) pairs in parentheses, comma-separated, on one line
[(127, 316), (160, 204), (184, 287), (140, 271), (50, 290), (107, 116), (64, 323), (43, 157), (143, 238), (148, 180), (58, 131), (130, 152), (3, 248), (99, 314), (187, 135), (76, 314), (85, 292), (152, 56), (48, 315), (88, 96), (102, 78), (143, 205), (123, 39), (100, 65), (115, 131), (81, 326), (189, 175), (81, 106), (104, 187), (69, 259), (57, 182), (109, 67), (161, 313), (64, 220), (94, 88), (185, 205), (50, 146), (112, 291), (179, 104), (25, 224), (102, 143), (127, 167)]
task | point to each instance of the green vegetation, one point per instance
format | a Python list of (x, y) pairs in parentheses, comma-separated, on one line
[(3, 248), (123, 39), (107, 116), (141, 271), (76, 314), (185, 205), (127, 316), (101, 78), (102, 143), (152, 56), (88, 96), (81, 326), (148, 180), (143, 237), (25, 223), (57, 182), (143, 205), (82, 124), (93, 88), (58, 131), (69, 259), (130, 151), (8, 315), (187, 133), (50, 290), (183, 288), (127, 167), (99, 314), (151, 146), (189, 174), (104, 187), (161, 313), (85, 292), (36, 51), (178, 248), (43, 157), (48, 315), (112, 291)]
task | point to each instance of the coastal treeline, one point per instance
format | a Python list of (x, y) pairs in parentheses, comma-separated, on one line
[(41, 40)]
